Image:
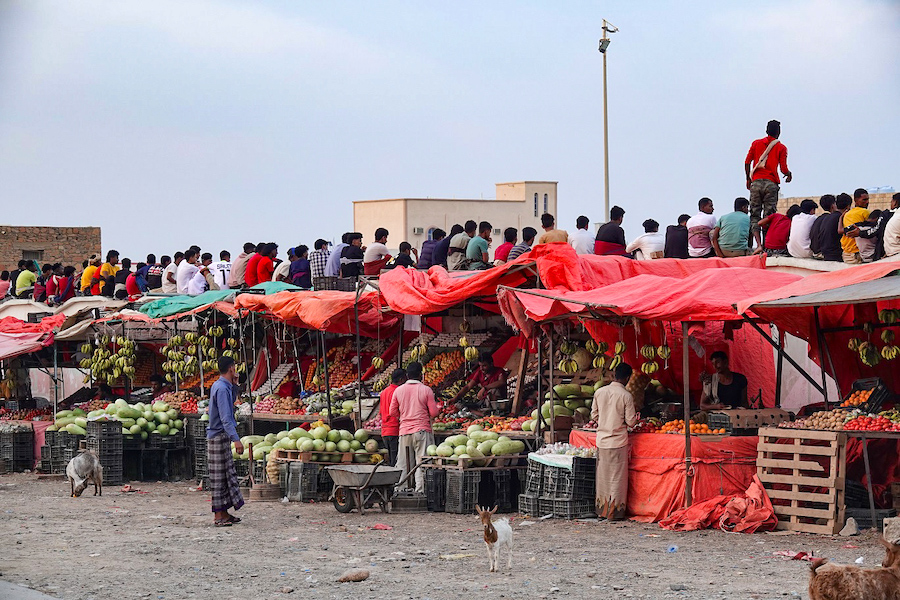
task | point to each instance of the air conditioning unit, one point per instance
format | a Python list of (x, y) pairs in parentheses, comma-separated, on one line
[(418, 230), (496, 231)]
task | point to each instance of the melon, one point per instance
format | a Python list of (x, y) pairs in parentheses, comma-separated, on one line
[(330, 446), (343, 446), (371, 445), (431, 450), (444, 450), (361, 436)]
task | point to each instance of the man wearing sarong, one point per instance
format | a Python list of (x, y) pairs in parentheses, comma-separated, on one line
[(226, 493), (613, 411)]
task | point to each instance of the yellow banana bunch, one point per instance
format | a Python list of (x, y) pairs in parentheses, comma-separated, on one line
[(599, 361), (889, 316), (887, 336), (614, 362), (869, 354), (464, 342), (648, 352), (568, 366), (471, 353), (890, 352), (378, 363), (620, 348), (853, 345), (648, 368), (568, 348), (591, 346), (664, 352)]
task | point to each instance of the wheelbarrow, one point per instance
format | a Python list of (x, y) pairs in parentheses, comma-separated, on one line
[(363, 485)]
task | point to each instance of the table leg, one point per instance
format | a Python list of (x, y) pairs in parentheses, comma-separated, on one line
[(865, 442)]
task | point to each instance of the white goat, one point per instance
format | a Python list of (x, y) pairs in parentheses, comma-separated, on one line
[(496, 533)]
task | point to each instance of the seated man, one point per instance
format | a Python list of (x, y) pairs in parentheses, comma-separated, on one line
[(723, 389), (490, 381)]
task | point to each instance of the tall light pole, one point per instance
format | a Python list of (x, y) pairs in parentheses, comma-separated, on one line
[(604, 44)]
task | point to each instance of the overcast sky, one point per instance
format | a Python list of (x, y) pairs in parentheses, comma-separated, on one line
[(175, 122)]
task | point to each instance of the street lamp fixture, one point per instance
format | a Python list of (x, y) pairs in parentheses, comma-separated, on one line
[(604, 45)]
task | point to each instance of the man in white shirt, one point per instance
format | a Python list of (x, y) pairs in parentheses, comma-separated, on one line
[(801, 226), (582, 241), (456, 254), (613, 410), (700, 228), (649, 246), (377, 250), (333, 266), (203, 280), (221, 271), (892, 235), (169, 283), (283, 270), (187, 269)]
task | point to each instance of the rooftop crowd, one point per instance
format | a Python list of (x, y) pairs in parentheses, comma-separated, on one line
[(845, 230)]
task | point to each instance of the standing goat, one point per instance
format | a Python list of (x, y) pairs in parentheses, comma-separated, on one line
[(848, 582), (84, 467), (496, 533)]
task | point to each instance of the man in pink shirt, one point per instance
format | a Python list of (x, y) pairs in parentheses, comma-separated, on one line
[(413, 403)]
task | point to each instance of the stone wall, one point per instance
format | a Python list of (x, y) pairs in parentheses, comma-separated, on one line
[(879, 201), (67, 245)]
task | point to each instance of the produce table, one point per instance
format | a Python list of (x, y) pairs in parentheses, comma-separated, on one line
[(286, 418), (656, 470), (40, 427)]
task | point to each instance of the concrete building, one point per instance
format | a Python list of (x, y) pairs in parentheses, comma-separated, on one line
[(67, 245), (518, 204), (879, 201)]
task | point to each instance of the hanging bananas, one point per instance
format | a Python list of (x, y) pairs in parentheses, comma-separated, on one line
[(378, 363), (464, 342), (465, 326), (599, 362), (890, 352), (568, 366), (869, 354), (889, 316), (592, 347), (614, 362), (648, 352), (471, 353), (854, 344), (648, 368), (620, 348), (568, 348), (887, 336), (664, 352)]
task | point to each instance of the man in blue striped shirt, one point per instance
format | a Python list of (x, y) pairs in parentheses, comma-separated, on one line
[(226, 492)]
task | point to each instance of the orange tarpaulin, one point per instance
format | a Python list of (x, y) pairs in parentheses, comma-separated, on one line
[(330, 311), (748, 512), (656, 470)]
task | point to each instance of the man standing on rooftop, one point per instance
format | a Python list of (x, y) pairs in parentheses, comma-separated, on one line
[(761, 166)]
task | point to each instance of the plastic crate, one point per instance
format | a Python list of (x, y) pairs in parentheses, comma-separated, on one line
[(65, 439), (880, 393), (50, 437), (342, 284), (719, 421), (505, 489), (528, 504), (863, 516), (242, 467), (573, 509), (166, 442), (545, 506), (303, 482), (102, 430), (436, 489), (462, 491), (197, 428), (132, 442), (534, 478), (565, 485)]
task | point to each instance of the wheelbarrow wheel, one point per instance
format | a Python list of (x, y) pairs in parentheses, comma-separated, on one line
[(343, 500)]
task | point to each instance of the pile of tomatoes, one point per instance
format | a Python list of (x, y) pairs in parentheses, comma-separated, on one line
[(865, 423)]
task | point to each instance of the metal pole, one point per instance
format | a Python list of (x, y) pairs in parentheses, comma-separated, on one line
[(551, 366), (55, 380), (823, 349), (359, 288), (605, 136), (327, 382), (779, 370), (865, 444), (686, 381)]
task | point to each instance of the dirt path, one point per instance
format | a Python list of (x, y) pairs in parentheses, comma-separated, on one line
[(161, 545)]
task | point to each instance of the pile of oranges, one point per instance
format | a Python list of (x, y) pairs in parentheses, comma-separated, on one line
[(677, 426), (856, 398)]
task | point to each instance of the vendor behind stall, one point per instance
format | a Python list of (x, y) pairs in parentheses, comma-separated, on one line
[(490, 381), (723, 389), (613, 411), (159, 386)]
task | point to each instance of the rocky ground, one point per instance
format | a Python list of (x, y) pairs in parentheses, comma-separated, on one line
[(160, 544)]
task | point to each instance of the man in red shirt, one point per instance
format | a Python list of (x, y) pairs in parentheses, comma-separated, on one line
[(413, 404), (488, 379), (265, 266), (761, 166), (251, 274), (510, 236), (390, 425)]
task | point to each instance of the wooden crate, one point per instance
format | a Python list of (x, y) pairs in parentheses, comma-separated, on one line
[(804, 473)]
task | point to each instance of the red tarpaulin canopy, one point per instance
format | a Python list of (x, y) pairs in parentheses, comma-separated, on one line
[(18, 337), (843, 299), (330, 311), (412, 292)]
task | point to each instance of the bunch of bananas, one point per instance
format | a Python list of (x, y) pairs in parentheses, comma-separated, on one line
[(465, 327), (869, 354), (568, 366), (620, 348), (887, 336), (463, 342), (418, 352), (664, 352), (471, 353), (216, 331), (854, 344), (889, 316), (106, 365), (599, 361), (648, 368), (568, 347), (596, 348), (868, 328), (614, 362), (890, 352), (648, 352), (378, 363)]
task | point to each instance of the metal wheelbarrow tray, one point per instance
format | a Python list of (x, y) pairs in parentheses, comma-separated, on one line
[(363, 485)]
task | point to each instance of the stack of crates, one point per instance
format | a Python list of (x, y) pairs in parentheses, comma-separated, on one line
[(463, 488), (307, 482), (18, 450), (197, 433), (105, 439), (436, 489), (569, 494), (534, 487)]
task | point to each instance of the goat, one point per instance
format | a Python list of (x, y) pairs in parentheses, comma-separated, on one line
[(85, 467), (496, 533), (848, 582)]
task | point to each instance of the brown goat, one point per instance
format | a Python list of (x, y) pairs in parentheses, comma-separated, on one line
[(848, 582)]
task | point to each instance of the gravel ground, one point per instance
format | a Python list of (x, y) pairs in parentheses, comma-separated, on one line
[(161, 545)]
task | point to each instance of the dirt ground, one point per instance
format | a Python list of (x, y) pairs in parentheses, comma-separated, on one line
[(161, 545)]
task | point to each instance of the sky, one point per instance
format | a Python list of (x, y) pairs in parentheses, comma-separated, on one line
[(179, 122)]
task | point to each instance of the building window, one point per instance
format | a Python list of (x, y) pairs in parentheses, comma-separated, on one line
[(535, 204), (33, 255), (546, 204)]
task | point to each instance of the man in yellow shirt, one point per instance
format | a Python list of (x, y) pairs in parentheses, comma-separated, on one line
[(848, 229), (88, 275), (105, 277), (551, 234)]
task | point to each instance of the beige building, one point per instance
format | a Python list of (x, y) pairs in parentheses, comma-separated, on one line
[(879, 201), (518, 204)]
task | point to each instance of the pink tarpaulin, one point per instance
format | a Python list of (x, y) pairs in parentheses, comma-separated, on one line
[(330, 311), (18, 337)]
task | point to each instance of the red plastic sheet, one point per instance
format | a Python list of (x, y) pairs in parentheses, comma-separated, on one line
[(330, 311), (800, 321), (656, 470), (18, 337), (47, 324), (748, 512)]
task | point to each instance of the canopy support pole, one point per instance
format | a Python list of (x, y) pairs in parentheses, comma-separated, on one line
[(779, 369), (823, 348), (359, 288), (296, 358), (685, 368), (787, 356), (327, 379), (550, 367), (540, 395), (55, 381)]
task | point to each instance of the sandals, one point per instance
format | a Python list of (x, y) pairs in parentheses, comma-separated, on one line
[(233, 520), (222, 523)]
